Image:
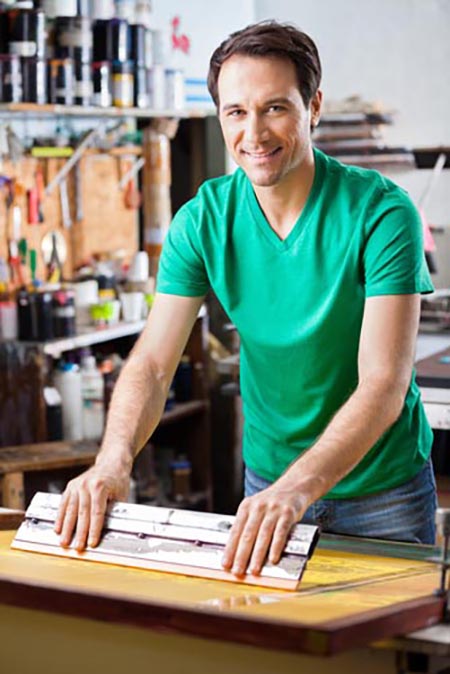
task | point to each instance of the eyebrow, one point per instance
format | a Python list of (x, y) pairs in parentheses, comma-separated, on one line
[(271, 101)]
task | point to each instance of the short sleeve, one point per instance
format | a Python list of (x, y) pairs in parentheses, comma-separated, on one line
[(181, 267), (394, 258)]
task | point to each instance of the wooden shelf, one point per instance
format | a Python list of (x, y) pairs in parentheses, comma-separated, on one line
[(34, 110), (56, 347)]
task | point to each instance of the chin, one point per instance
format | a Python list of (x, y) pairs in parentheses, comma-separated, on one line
[(262, 180)]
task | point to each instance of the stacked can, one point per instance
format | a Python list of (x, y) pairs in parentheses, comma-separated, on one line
[(138, 56), (22, 56), (103, 60), (112, 45), (71, 68)]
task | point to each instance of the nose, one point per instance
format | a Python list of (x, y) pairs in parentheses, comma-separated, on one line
[(255, 128)]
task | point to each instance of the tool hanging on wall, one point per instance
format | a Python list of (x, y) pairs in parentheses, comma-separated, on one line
[(75, 157), (164, 539), (65, 205), (132, 196)]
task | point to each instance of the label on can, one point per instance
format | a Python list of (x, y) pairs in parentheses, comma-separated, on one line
[(102, 99), (123, 90), (83, 88), (175, 94), (25, 49)]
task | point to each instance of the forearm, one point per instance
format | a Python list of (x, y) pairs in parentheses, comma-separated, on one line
[(369, 412), (136, 407)]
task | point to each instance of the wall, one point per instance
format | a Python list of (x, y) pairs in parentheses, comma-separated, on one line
[(205, 25), (394, 51)]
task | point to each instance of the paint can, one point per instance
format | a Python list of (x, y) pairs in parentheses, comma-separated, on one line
[(158, 47), (83, 83), (141, 94), (4, 32), (148, 50), (102, 84), (137, 44), (102, 9), (10, 79), (34, 79), (61, 81), (54, 8), (73, 38), (175, 91), (119, 30), (26, 33), (123, 84), (156, 78)]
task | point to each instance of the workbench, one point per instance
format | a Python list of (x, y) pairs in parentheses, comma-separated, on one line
[(59, 614)]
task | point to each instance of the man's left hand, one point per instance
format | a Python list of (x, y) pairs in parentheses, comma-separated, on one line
[(261, 529)]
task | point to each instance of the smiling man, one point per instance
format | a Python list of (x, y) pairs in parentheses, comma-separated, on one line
[(320, 266)]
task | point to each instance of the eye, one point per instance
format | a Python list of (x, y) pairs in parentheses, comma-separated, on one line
[(276, 108), (235, 113)]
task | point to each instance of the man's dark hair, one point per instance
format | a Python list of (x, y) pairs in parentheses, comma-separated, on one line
[(270, 38)]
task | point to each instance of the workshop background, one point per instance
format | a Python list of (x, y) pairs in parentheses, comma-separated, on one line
[(106, 129)]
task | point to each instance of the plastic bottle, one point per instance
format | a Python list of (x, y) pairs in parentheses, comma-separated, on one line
[(67, 380), (92, 385)]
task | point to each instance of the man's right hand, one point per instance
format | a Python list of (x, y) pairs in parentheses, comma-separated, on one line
[(84, 502)]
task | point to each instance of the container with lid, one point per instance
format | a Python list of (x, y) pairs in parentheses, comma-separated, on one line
[(26, 33), (10, 79), (102, 84), (27, 315), (67, 380), (73, 38), (61, 81), (123, 84), (83, 83), (92, 391), (64, 313), (34, 79)]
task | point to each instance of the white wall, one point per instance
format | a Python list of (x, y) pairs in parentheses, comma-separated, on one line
[(394, 51), (206, 24)]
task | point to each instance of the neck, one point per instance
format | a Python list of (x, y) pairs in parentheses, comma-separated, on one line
[(283, 203)]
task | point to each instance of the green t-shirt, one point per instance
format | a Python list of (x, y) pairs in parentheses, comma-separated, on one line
[(298, 305)]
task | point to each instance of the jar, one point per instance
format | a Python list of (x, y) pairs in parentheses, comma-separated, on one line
[(64, 313)]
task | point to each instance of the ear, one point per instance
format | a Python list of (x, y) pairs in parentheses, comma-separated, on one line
[(315, 107)]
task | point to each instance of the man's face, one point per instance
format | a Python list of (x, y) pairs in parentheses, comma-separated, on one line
[(265, 123)]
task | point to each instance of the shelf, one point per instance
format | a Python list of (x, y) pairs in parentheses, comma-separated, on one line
[(183, 410), (24, 110), (56, 347)]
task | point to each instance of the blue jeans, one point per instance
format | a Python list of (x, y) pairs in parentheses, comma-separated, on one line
[(404, 513)]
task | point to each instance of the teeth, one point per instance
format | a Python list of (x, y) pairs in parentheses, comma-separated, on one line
[(260, 155)]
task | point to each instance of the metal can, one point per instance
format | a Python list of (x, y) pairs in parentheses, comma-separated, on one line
[(119, 32), (141, 94), (64, 313), (27, 315), (175, 92), (34, 79), (44, 309), (61, 81), (102, 84), (10, 79), (138, 45), (26, 33), (156, 78), (73, 38), (83, 83), (123, 84)]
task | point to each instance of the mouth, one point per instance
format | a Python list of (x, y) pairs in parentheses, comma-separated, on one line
[(261, 156)]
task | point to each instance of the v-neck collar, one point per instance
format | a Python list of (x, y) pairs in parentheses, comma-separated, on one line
[(300, 224)]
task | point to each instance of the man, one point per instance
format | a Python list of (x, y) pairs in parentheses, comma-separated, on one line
[(320, 266)]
